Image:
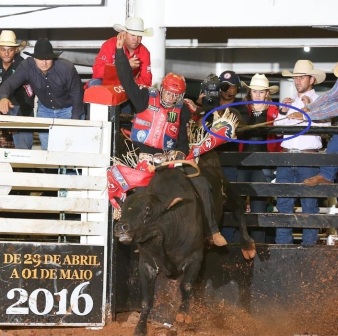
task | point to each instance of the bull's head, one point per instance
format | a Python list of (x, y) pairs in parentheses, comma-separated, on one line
[(141, 217)]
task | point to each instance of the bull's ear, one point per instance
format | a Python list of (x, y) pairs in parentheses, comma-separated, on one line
[(174, 202)]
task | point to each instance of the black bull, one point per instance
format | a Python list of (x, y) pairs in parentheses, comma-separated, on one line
[(166, 222)]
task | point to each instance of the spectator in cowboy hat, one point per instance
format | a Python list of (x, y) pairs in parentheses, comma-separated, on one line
[(325, 107), (306, 68), (8, 39), (22, 99), (55, 82), (138, 55), (260, 91), (305, 76), (104, 71)]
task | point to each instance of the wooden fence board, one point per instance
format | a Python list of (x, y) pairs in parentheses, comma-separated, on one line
[(39, 158), (285, 189), (7, 121), (52, 204), (298, 220), (24, 226), (32, 181), (277, 159)]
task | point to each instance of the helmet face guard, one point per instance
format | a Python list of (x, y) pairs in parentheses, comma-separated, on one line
[(172, 90)]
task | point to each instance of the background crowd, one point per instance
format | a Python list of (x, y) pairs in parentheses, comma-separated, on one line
[(50, 84)]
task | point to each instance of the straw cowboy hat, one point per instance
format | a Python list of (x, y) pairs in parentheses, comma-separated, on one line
[(260, 82), (8, 39), (335, 70), (134, 26), (43, 50), (305, 67)]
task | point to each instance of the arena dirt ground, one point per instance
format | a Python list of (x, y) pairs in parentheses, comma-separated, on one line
[(207, 321)]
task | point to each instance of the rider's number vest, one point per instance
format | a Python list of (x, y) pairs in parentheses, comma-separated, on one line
[(157, 126)]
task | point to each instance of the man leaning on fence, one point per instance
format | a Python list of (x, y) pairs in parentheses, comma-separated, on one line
[(55, 82), (324, 107), (305, 76), (22, 99)]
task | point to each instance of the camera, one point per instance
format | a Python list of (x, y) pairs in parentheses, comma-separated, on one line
[(210, 87)]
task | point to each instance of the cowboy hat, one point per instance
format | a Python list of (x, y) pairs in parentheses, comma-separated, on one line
[(8, 39), (43, 50), (134, 26), (260, 82), (305, 68), (335, 70)]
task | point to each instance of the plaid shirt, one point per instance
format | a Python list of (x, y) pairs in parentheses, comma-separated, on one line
[(326, 106)]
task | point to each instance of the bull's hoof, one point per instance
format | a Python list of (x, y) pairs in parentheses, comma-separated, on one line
[(183, 318), (249, 253), (188, 319), (180, 318)]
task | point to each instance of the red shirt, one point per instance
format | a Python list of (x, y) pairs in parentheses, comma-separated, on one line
[(106, 55), (271, 114)]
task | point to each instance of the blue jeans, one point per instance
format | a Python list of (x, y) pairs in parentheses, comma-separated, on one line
[(286, 204), (330, 172), (230, 173), (45, 112), (21, 139), (269, 174)]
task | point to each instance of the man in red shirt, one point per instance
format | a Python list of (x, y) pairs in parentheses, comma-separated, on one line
[(137, 54)]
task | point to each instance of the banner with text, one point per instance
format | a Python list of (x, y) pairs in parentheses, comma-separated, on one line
[(47, 284)]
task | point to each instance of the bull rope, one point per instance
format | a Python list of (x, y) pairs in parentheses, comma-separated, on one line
[(187, 162)]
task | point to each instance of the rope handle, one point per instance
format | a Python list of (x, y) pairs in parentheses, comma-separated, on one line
[(187, 162)]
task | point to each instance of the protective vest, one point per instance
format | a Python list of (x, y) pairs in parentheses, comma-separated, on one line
[(157, 126)]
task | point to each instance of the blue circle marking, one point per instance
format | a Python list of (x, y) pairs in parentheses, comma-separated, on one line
[(223, 107)]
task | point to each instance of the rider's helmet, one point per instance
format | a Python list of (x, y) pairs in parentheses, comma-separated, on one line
[(172, 90)]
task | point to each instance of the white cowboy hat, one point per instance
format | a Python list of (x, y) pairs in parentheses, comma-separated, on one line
[(134, 26), (260, 82), (335, 70), (8, 39), (305, 67)]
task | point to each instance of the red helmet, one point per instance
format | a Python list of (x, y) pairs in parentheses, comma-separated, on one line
[(174, 83)]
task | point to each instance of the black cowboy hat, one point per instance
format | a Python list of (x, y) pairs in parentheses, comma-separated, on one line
[(43, 50)]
